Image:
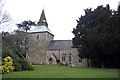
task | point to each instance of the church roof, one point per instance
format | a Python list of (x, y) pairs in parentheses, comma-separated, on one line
[(42, 25), (42, 20), (40, 29), (60, 45)]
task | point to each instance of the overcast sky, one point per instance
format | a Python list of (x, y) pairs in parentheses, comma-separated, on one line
[(61, 15)]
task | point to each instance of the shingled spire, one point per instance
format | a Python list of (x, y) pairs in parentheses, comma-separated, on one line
[(42, 25), (42, 20)]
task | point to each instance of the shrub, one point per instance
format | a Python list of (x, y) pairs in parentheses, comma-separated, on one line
[(18, 67), (63, 64), (0, 67), (7, 65), (30, 67), (13, 55), (24, 64)]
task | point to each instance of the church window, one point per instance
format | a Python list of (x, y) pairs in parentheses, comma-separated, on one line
[(37, 36), (70, 57), (63, 57)]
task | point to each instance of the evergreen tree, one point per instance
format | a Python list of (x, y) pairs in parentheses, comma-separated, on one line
[(26, 25), (96, 36)]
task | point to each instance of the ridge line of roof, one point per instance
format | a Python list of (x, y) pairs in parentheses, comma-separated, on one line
[(61, 40), (40, 32)]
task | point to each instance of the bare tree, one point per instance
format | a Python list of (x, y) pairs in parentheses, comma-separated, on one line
[(4, 16), (16, 42)]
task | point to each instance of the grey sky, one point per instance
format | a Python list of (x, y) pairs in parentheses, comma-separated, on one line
[(61, 14)]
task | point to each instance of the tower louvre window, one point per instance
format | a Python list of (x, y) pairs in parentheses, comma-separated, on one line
[(37, 36)]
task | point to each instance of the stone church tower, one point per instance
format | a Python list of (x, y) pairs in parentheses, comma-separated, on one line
[(39, 39)]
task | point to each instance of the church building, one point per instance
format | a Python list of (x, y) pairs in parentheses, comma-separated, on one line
[(43, 49)]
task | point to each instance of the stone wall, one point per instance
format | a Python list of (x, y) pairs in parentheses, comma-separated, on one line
[(76, 60), (49, 37), (69, 57), (38, 43)]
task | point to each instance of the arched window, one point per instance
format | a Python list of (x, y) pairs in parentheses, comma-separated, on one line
[(64, 57)]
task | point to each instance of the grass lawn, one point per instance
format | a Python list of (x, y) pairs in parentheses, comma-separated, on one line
[(49, 71)]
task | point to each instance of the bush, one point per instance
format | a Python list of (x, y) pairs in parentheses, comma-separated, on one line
[(62, 64), (0, 67), (24, 64), (7, 65), (13, 55), (18, 67), (30, 67)]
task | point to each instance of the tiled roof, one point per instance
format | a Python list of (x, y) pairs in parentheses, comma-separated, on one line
[(60, 45)]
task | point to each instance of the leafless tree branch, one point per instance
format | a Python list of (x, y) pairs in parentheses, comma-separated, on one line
[(4, 16)]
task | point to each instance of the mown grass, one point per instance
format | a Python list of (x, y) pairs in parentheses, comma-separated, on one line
[(49, 71)]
